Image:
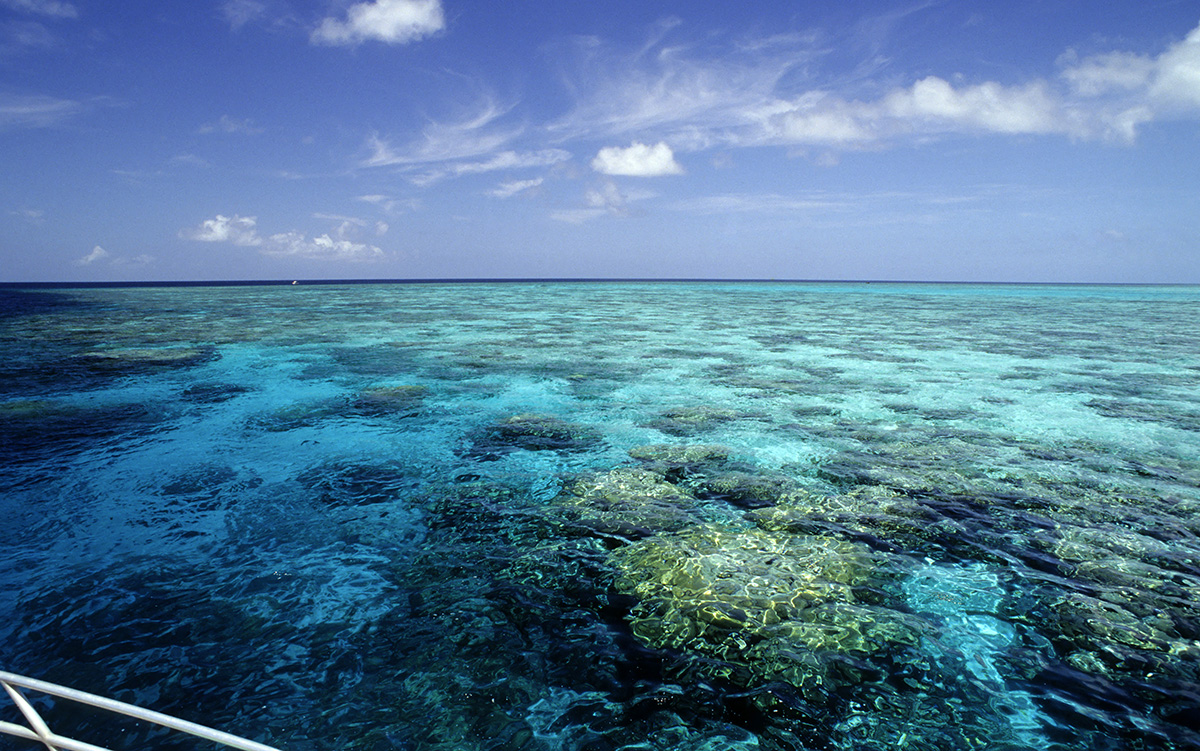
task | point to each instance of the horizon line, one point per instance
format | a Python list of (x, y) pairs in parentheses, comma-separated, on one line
[(551, 280)]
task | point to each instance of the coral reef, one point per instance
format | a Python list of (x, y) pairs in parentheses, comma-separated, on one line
[(766, 606)]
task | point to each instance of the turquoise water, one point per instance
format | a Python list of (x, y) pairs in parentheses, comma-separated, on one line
[(610, 515)]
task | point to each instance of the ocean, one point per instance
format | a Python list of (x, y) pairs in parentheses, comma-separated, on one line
[(608, 515)]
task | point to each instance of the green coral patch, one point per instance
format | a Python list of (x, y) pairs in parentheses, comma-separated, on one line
[(772, 607)]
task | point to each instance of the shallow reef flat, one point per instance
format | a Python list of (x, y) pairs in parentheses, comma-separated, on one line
[(601, 516)]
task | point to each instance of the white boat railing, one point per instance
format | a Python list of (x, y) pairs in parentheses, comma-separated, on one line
[(40, 733)]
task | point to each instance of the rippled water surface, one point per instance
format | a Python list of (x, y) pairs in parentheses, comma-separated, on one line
[(609, 516)]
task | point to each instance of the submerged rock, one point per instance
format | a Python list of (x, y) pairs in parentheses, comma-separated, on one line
[(673, 454), (297, 415), (532, 432), (384, 400), (689, 420), (212, 393), (146, 358)]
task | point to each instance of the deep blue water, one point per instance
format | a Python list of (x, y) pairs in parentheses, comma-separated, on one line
[(609, 515)]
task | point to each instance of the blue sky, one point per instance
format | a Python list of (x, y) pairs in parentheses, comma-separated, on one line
[(281, 139)]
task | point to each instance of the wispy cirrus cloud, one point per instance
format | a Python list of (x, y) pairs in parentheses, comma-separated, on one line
[(36, 110), (480, 142), (504, 160), (390, 204), (22, 36), (241, 12), (693, 95), (515, 187), (47, 8), (232, 125), (478, 134), (769, 92), (389, 21)]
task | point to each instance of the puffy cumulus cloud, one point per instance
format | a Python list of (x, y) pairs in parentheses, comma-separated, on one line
[(1120, 91), (816, 119), (243, 231), (97, 254), (50, 8), (510, 189), (239, 230), (390, 21), (322, 247), (638, 160), (1177, 74), (1104, 74), (988, 106)]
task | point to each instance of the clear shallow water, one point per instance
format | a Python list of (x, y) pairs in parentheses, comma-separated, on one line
[(601, 516)]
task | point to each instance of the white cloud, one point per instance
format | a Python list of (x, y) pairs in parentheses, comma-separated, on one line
[(1177, 74), (19, 36), (242, 230), (476, 135), (35, 110), (767, 92), (638, 160), (239, 230), (227, 124), (51, 8), (607, 197), (1122, 91), (510, 189), (933, 103), (191, 160), (1107, 73), (601, 200), (501, 161), (97, 254), (762, 203), (818, 119), (241, 12), (390, 21), (322, 247), (694, 96), (34, 216), (391, 205)]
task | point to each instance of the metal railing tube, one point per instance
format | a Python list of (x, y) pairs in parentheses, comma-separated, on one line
[(43, 734)]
